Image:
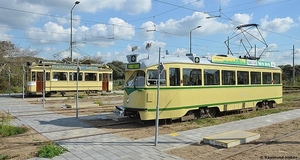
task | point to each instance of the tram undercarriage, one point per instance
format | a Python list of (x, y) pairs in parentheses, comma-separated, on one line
[(202, 112)]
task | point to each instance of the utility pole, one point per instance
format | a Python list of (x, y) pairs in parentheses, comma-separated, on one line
[(9, 72), (71, 34), (191, 38), (23, 80), (293, 65)]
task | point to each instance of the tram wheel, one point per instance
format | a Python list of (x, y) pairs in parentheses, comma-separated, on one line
[(212, 112), (271, 104)]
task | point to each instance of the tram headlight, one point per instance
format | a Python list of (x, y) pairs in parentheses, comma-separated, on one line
[(127, 100)]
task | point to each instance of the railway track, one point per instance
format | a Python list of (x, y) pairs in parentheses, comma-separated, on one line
[(291, 89)]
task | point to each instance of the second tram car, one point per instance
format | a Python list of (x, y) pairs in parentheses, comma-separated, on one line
[(62, 78), (193, 87)]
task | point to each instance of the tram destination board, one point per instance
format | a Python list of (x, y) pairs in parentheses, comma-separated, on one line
[(133, 66)]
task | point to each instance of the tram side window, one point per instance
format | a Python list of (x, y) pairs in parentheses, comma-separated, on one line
[(60, 76), (90, 76), (73, 75), (266, 78), (153, 77), (33, 76), (228, 77), (255, 77), (243, 77), (191, 77), (174, 76), (47, 76), (100, 77), (276, 78), (211, 77), (110, 77), (40, 76)]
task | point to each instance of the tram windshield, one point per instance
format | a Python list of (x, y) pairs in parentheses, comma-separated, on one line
[(136, 79)]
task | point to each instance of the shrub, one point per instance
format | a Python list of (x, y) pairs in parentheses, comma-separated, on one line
[(3, 157), (6, 129), (51, 150)]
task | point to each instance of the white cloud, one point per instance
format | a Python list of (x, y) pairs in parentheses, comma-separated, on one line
[(99, 34), (180, 51), (22, 13), (242, 18), (277, 24), (184, 25), (109, 56), (50, 33), (121, 29), (6, 37), (105, 35), (3, 36), (148, 30), (129, 6)]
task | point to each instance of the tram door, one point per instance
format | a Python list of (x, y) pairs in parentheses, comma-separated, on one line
[(39, 82), (105, 82)]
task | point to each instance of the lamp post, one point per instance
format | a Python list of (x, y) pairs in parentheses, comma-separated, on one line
[(191, 38), (71, 38)]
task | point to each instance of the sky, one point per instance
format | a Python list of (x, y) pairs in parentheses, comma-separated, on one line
[(112, 28)]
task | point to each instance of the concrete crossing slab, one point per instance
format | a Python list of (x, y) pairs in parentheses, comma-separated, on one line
[(231, 138)]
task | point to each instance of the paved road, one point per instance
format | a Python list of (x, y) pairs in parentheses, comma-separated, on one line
[(86, 142)]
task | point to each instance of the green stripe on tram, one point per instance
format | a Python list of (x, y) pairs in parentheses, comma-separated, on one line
[(210, 104)]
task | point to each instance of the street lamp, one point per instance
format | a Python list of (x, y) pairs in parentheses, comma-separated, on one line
[(71, 38), (191, 38)]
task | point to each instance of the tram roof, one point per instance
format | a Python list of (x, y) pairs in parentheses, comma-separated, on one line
[(152, 60)]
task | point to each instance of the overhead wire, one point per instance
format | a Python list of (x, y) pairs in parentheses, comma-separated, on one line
[(177, 7)]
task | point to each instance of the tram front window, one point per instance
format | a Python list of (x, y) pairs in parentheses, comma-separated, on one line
[(136, 79)]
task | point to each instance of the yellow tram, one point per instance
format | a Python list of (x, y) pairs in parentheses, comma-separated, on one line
[(62, 78), (193, 87)]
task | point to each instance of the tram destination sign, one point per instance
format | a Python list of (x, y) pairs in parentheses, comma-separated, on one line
[(239, 61), (133, 66), (74, 67)]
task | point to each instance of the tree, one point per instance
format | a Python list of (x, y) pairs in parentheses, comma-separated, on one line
[(12, 59), (89, 60), (118, 68)]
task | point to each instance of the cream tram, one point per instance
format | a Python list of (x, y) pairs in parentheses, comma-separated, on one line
[(62, 78), (193, 87)]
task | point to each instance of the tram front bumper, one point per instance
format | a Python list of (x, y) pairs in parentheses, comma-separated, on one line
[(120, 110)]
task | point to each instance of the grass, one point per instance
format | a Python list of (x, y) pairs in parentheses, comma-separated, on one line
[(290, 97), (100, 103), (3, 157), (81, 96), (51, 150), (6, 129)]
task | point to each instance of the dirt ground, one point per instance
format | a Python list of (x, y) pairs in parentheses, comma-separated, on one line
[(23, 146), (264, 148), (272, 144)]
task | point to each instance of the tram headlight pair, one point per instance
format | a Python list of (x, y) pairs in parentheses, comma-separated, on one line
[(127, 100)]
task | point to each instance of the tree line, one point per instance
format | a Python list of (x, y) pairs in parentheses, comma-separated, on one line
[(13, 58)]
